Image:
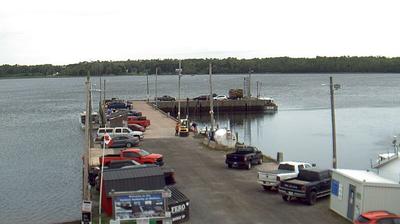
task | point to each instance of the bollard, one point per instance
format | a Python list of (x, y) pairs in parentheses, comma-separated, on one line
[(279, 157)]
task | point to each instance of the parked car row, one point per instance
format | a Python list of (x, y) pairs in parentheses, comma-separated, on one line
[(133, 169), (201, 97), (293, 179)]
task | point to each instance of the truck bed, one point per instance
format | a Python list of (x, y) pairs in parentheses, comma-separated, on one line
[(277, 171), (297, 182)]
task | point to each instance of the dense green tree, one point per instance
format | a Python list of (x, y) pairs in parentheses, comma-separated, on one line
[(220, 66)]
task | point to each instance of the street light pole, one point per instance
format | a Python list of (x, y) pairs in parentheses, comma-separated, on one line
[(156, 87), (211, 99), (334, 158), (179, 70)]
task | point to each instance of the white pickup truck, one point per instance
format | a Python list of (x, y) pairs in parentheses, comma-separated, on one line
[(286, 170)]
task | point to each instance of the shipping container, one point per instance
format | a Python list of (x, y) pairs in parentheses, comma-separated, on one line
[(354, 192)]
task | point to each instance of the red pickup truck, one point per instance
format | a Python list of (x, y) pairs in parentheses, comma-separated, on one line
[(142, 121), (139, 155)]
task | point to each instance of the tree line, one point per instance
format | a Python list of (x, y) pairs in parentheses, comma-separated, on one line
[(343, 64)]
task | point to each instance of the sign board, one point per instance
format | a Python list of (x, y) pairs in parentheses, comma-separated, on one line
[(140, 205), (337, 189), (86, 212)]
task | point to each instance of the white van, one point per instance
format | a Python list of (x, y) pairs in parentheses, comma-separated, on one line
[(118, 131)]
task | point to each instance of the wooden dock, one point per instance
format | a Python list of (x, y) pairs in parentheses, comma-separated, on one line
[(223, 106)]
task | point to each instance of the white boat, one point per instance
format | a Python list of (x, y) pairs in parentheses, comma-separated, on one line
[(95, 120), (225, 137), (388, 164)]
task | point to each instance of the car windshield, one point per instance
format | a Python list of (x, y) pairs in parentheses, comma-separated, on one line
[(285, 166), (244, 150), (143, 153)]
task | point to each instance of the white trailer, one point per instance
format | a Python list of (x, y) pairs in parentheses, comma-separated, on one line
[(354, 192)]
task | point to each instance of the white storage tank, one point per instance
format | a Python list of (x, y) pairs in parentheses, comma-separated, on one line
[(354, 192)]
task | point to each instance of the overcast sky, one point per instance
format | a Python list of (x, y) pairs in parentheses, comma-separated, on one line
[(70, 31)]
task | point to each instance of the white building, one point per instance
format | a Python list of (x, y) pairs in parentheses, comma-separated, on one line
[(354, 192)]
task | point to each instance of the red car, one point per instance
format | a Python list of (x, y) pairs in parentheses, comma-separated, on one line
[(139, 155), (378, 217), (136, 127), (142, 121)]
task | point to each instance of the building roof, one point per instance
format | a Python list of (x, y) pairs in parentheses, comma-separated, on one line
[(132, 172), (133, 179), (363, 176)]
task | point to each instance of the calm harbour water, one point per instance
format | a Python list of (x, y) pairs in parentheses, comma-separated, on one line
[(40, 156)]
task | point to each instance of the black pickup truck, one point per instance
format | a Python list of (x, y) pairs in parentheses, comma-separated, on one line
[(244, 156), (310, 184)]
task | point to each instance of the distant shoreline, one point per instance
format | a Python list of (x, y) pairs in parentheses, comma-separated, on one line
[(113, 75), (277, 65)]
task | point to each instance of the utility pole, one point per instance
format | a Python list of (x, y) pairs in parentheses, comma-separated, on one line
[(100, 93), (104, 93), (90, 116), (211, 99), (179, 70), (86, 193), (156, 87), (336, 86), (258, 95), (102, 175), (147, 84), (249, 89)]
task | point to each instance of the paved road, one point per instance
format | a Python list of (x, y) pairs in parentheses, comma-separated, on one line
[(161, 126), (222, 195)]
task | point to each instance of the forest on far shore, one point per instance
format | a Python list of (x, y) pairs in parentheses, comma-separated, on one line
[(344, 64)]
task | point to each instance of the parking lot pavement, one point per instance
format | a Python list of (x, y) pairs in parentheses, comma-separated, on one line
[(221, 195)]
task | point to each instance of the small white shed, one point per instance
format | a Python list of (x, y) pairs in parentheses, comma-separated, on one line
[(356, 191)]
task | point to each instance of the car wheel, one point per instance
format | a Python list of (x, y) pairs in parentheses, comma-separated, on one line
[(267, 188), (260, 161), (128, 145), (312, 198), (249, 165), (285, 197)]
